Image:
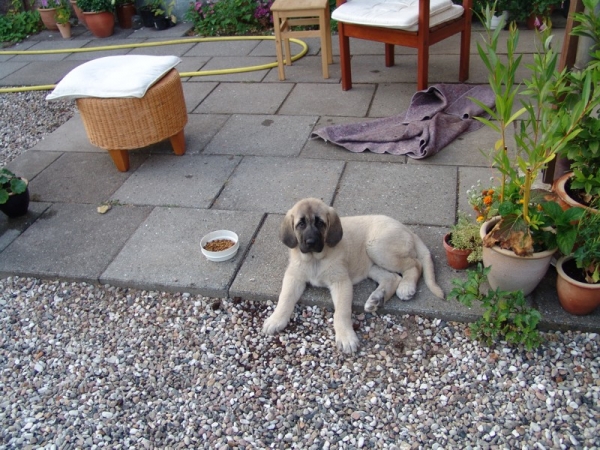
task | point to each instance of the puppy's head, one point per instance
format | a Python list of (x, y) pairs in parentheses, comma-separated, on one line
[(311, 225)]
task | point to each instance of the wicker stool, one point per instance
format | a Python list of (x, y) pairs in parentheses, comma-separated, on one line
[(121, 124), (289, 13)]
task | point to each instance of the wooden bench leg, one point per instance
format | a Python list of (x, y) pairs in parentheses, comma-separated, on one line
[(121, 159), (178, 143)]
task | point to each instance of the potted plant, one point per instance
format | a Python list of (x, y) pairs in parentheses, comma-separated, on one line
[(125, 11), (578, 281), (78, 12), (581, 186), (521, 240), (47, 10), (499, 16), (14, 194), (163, 17), (99, 16), (463, 244), (63, 17), (540, 11)]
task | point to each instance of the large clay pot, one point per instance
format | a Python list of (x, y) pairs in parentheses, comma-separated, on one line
[(575, 297), (101, 24), (79, 13), (48, 16), (124, 15), (457, 259), (559, 187), (511, 272)]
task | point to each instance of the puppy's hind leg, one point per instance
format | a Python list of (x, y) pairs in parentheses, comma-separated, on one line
[(411, 272), (387, 285)]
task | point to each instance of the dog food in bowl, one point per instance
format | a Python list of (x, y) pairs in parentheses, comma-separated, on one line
[(219, 245)]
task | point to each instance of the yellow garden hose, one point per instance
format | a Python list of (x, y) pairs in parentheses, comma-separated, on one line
[(157, 44)]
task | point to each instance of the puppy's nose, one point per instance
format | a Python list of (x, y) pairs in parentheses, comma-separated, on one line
[(310, 241)]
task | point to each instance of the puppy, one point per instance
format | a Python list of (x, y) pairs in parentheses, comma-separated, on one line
[(326, 251)]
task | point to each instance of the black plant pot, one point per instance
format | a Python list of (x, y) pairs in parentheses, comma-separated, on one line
[(161, 22), (16, 205), (147, 16)]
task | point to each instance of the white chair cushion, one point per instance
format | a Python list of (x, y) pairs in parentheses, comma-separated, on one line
[(123, 76), (400, 14)]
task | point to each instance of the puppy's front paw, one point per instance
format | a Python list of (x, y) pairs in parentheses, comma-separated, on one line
[(374, 301), (272, 325), (347, 341), (406, 291)]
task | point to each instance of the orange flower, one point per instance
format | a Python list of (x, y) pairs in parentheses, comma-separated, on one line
[(488, 200), (480, 218)]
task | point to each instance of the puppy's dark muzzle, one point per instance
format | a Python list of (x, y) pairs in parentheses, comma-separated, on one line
[(312, 241)]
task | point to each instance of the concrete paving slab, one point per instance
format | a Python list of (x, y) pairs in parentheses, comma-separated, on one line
[(245, 98), (71, 242), (219, 48), (306, 70), (12, 228), (262, 135), (95, 45), (410, 194), (223, 63), (327, 99), (165, 251), (69, 137), (162, 50), (186, 181), (30, 163), (318, 148), (39, 73), (391, 99), (273, 185), (49, 46), (180, 30), (6, 52), (9, 67), (192, 64), (267, 47), (199, 131), (94, 175), (262, 272), (195, 93)]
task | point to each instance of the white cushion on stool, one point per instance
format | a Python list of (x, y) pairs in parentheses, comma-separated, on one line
[(123, 76), (400, 14)]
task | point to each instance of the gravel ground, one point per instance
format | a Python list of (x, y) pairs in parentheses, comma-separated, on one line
[(86, 366)]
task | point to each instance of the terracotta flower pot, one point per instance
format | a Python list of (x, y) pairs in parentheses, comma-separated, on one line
[(79, 13), (575, 297), (559, 187), (48, 16), (511, 272), (65, 30), (124, 15), (457, 259), (101, 24)]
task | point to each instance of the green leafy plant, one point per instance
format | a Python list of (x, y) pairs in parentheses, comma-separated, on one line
[(464, 235), (224, 17), (542, 132), (17, 25), (163, 10), (96, 5), (583, 152), (63, 13), (506, 314), (10, 184)]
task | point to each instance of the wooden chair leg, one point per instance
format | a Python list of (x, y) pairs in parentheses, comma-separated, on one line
[(121, 159), (345, 59), (324, 49), (389, 55), (178, 143), (278, 45), (423, 69), (465, 48)]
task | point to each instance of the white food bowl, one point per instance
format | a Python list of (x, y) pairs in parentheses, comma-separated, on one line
[(222, 255)]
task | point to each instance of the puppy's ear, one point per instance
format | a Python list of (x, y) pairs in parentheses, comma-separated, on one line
[(334, 230), (286, 231)]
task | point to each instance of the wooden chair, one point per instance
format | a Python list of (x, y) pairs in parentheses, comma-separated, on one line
[(431, 27)]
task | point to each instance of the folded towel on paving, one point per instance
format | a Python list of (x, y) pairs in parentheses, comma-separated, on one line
[(436, 116)]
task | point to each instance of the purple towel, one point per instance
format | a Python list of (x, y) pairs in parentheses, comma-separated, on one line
[(435, 117)]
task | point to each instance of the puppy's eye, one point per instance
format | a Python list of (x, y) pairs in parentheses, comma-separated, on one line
[(301, 223), (319, 222)]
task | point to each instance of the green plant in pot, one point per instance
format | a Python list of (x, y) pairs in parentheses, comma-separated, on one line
[(14, 194), (463, 243), (578, 281), (163, 17), (581, 186), (99, 16), (523, 230)]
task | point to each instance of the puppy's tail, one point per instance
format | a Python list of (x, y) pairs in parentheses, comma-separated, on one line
[(428, 271)]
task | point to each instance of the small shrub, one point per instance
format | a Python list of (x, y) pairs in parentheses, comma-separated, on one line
[(506, 314), (224, 17), (17, 25)]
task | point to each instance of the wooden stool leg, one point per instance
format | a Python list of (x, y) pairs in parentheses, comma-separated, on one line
[(324, 50), (278, 44), (121, 159), (328, 33), (178, 143), (288, 51)]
